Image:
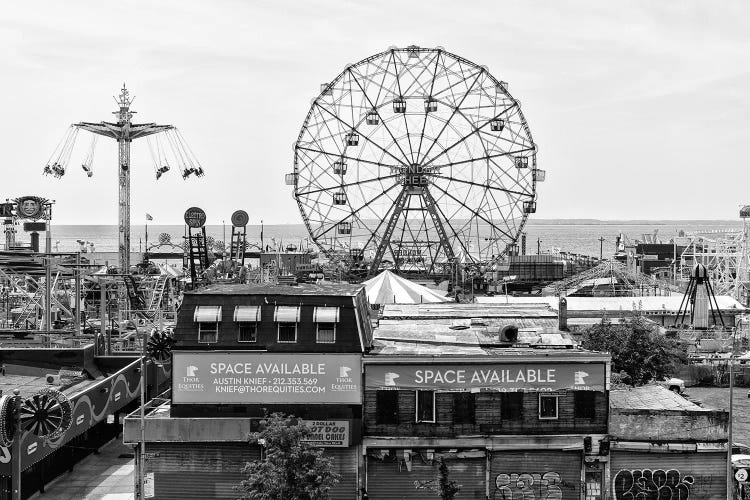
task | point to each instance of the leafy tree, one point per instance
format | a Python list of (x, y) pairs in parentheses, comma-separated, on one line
[(638, 351), (444, 487), (292, 469)]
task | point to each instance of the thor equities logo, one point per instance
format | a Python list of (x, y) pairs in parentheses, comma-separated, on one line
[(580, 378), (344, 371), (190, 382), (390, 378)]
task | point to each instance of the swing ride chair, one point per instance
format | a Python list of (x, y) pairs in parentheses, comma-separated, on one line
[(416, 159)]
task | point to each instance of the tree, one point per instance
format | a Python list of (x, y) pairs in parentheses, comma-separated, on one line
[(444, 487), (292, 469), (638, 351)]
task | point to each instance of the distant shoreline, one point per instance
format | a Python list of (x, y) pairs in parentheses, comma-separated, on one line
[(531, 222)]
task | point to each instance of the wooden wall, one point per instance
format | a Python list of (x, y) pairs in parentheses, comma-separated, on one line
[(487, 417)]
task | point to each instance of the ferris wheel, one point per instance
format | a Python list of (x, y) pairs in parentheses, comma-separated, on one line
[(415, 158)]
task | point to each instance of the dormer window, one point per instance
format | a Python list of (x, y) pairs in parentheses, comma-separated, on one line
[(207, 318), (247, 319), (287, 318), (325, 319)]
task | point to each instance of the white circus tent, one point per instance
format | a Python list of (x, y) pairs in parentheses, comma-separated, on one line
[(389, 288)]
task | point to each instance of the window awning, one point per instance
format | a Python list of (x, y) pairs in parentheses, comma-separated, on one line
[(207, 314), (326, 315), (247, 314), (286, 314)]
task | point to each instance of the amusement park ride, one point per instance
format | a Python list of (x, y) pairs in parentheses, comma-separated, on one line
[(416, 159), (124, 131)]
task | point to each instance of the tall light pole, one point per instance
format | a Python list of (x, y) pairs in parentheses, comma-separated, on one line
[(123, 131)]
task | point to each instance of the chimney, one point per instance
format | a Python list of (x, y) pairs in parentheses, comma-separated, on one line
[(562, 314), (509, 334)]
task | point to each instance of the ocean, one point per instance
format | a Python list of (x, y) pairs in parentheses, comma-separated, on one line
[(578, 236)]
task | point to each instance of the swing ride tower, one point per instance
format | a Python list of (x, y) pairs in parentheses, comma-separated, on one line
[(123, 131)]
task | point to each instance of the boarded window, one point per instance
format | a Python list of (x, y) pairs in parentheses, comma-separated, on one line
[(248, 332), (326, 333), (547, 407), (425, 406), (386, 407), (511, 405), (463, 408), (585, 404), (287, 332)]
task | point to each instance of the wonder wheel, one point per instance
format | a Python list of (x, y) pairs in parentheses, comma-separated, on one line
[(415, 158)]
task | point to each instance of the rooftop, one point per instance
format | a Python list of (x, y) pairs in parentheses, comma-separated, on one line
[(538, 309), (331, 289), (473, 332), (669, 303), (516, 353), (31, 384), (650, 397), (467, 330)]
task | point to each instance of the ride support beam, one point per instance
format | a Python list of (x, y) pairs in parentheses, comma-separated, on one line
[(430, 204), (385, 242), (124, 203)]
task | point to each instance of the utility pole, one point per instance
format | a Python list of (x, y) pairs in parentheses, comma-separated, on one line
[(15, 450), (730, 471), (123, 131), (77, 321), (601, 247)]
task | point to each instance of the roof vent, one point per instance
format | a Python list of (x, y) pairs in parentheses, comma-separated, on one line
[(509, 334)]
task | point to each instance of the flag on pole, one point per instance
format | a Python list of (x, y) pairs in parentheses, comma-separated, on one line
[(148, 217)]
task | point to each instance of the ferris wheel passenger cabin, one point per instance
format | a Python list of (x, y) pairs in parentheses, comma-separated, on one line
[(339, 198), (430, 105), (372, 118), (339, 167), (352, 138), (399, 105)]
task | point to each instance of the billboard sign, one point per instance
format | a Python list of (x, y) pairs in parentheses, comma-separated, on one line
[(328, 433), (505, 377), (252, 377)]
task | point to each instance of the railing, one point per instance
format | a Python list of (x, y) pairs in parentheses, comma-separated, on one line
[(152, 405)]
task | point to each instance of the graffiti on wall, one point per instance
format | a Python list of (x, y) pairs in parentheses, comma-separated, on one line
[(645, 484), (530, 486)]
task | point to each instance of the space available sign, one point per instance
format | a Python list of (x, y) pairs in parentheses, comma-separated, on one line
[(497, 377), (247, 377)]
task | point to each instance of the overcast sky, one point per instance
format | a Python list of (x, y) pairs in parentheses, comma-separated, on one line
[(640, 109)]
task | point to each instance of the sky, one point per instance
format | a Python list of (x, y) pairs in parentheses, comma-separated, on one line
[(639, 109)]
